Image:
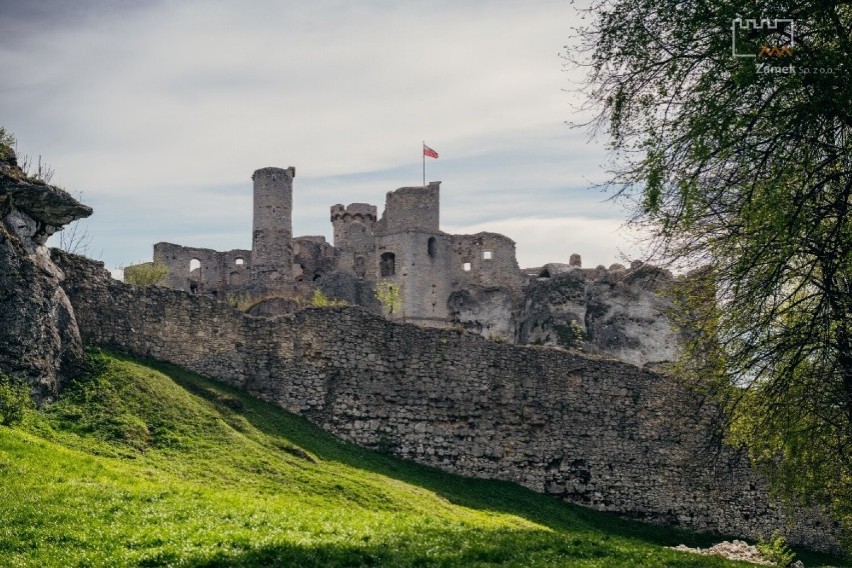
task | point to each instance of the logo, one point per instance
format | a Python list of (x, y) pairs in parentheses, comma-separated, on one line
[(762, 38), (775, 51)]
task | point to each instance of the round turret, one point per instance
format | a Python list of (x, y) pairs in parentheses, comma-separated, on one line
[(272, 248)]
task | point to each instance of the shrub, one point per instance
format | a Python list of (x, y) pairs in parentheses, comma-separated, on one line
[(320, 300), (14, 400), (7, 146), (242, 300), (145, 274), (776, 550), (570, 335), (390, 296)]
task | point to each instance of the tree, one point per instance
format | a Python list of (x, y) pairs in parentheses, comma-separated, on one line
[(146, 274), (732, 141)]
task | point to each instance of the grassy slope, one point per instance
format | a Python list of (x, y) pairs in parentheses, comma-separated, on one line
[(152, 465)]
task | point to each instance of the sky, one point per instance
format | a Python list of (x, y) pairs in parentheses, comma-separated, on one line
[(157, 113)]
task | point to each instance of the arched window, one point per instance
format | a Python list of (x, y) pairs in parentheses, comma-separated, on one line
[(194, 264), (240, 262), (544, 274), (387, 264), (431, 246)]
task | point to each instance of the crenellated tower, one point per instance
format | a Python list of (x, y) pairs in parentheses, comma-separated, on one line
[(352, 223)]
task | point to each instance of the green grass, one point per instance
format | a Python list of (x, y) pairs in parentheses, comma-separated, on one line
[(150, 465)]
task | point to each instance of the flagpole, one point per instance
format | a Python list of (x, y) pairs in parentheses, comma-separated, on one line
[(423, 153)]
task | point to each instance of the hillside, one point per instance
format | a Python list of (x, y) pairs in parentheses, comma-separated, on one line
[(150, 465)]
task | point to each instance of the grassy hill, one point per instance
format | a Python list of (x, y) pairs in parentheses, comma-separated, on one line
[(150, 465)]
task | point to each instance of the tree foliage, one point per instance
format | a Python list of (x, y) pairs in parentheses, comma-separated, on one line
[(737, 165), (146, 274)]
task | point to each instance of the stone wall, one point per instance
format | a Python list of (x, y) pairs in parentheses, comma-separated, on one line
[(597, 432), (216, 271), (422, 271), (486, 260), (411, 208)]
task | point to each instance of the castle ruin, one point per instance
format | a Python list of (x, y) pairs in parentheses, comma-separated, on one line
[(589, 430), (444, 280)]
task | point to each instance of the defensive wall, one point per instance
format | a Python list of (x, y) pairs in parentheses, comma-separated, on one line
[(597, 432)]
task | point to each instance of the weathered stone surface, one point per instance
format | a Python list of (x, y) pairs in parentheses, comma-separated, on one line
[(49, 206), (619, 313), (486, 311), (602, 433), (468, 281), (39, 340)]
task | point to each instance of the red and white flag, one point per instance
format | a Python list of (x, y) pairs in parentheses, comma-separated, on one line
[(427, 151)]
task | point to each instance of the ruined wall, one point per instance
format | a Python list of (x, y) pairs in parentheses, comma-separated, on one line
[(414, 208), (216, 272), (313, 258), (422, 269), (487, 285), (602, 433), (486, 259)]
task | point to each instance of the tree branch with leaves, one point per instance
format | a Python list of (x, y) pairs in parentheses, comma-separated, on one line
[(749, 174)]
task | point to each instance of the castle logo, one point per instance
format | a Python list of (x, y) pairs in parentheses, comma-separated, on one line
[(762, 38)]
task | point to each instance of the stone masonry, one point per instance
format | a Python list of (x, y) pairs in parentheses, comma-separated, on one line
[(597, 432), (444, 280)]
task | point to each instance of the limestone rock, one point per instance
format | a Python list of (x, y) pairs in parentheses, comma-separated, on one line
[(39, 338)]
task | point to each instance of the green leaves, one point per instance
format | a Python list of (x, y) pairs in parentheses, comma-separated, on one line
[(741, 166)]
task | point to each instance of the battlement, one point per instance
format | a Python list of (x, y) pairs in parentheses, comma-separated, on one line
[(353, 226), (762, 24), (354, 211)]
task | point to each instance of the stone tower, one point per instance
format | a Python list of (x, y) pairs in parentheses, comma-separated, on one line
[(351, 223), (354, 226), (272, 235), (414, 254)]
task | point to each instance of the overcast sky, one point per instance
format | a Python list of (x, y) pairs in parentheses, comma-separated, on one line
[(159, 112)]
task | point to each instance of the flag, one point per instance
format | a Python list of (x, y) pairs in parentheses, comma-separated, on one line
[(427, 151)]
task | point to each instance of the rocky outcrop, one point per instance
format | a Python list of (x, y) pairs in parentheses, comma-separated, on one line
[(39, 339), (488, 311), (618, 312)]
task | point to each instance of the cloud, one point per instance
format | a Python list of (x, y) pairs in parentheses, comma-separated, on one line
[(159, 112)]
